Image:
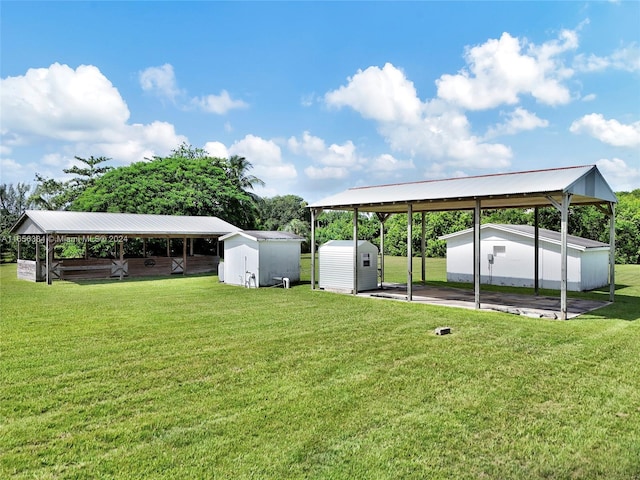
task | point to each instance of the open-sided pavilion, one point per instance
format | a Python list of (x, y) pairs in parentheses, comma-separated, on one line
[(558, 187), (50, 228)]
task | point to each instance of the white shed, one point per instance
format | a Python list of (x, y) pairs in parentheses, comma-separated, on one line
[(261, 259), (336, 259), (507, 258)]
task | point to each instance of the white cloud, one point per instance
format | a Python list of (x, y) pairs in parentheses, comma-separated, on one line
[(517, 121), (326, 173), (498, 72), (81, 111), (161, 81), (344, 155), (589, 98), (62, 103), (12, 171), (219, 104), (626, 58), (388, 163), (266, 158), (384, 95), (216, 149), (420, 130), (619, 175), (608, 131)]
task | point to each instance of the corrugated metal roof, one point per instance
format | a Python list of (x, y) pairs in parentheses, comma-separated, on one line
[(97, 223), (585, 183), (529, 232), (260, 235)]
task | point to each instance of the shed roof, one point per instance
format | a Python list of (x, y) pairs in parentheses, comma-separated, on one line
[(45, 222), (261, 236), (503, 190), (528, 231), (346, 244)]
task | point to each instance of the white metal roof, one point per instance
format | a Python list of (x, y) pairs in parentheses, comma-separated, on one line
[(518, 189), (261, 236), (41, 222), (528, 231)]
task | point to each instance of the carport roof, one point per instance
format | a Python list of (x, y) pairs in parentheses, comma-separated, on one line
[(45, 222), (504, 190)]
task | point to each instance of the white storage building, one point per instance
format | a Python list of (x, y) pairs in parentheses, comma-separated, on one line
[(507, 258), (337, 270), (261, 259)]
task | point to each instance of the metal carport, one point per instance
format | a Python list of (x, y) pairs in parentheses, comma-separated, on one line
[(557, 187)]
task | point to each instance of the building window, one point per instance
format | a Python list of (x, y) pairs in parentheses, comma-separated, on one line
[(366, 259)]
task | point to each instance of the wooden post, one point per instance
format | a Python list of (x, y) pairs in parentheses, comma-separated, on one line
[(184, 256), (476, 253), (409, 253), (169, 247), (355, 251), (121, 259), (144, 248), (191, 247), (50, 243)]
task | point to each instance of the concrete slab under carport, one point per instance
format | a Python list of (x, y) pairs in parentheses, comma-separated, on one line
[(517, 304)]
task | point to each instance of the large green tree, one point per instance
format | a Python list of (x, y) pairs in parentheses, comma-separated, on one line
[(276, 212), (52, 194), (14, 200), (185, 183)]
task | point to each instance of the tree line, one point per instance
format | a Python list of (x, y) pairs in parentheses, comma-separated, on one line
[(190, 182)]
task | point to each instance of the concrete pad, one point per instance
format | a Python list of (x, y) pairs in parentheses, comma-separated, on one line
[(517, 304)]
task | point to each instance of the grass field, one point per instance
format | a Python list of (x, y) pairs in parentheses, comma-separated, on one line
[(185, 377)]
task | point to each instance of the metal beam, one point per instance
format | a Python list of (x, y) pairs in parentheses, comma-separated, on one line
[(536, 251), (382, 217), (355, 251), (313, 249), (564, 231), (423, 248), (409, 252), (476, 253), (612, 252)]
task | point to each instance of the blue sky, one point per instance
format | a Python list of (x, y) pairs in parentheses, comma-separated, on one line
[(323, 96)]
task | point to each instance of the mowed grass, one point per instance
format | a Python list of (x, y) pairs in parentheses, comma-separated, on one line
[(185, 377)]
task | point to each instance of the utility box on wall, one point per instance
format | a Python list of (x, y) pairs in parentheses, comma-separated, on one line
[(261, 259), (336, 259)]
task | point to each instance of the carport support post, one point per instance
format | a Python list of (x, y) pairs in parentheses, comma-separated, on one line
[(612, 251), (423, 245), (564, 227), (536, 251), (409, 252), (383, 218), (313, 249), (355, 251), (476, 253)]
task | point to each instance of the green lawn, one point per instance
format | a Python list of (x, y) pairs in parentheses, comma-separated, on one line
[(185, 377)]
